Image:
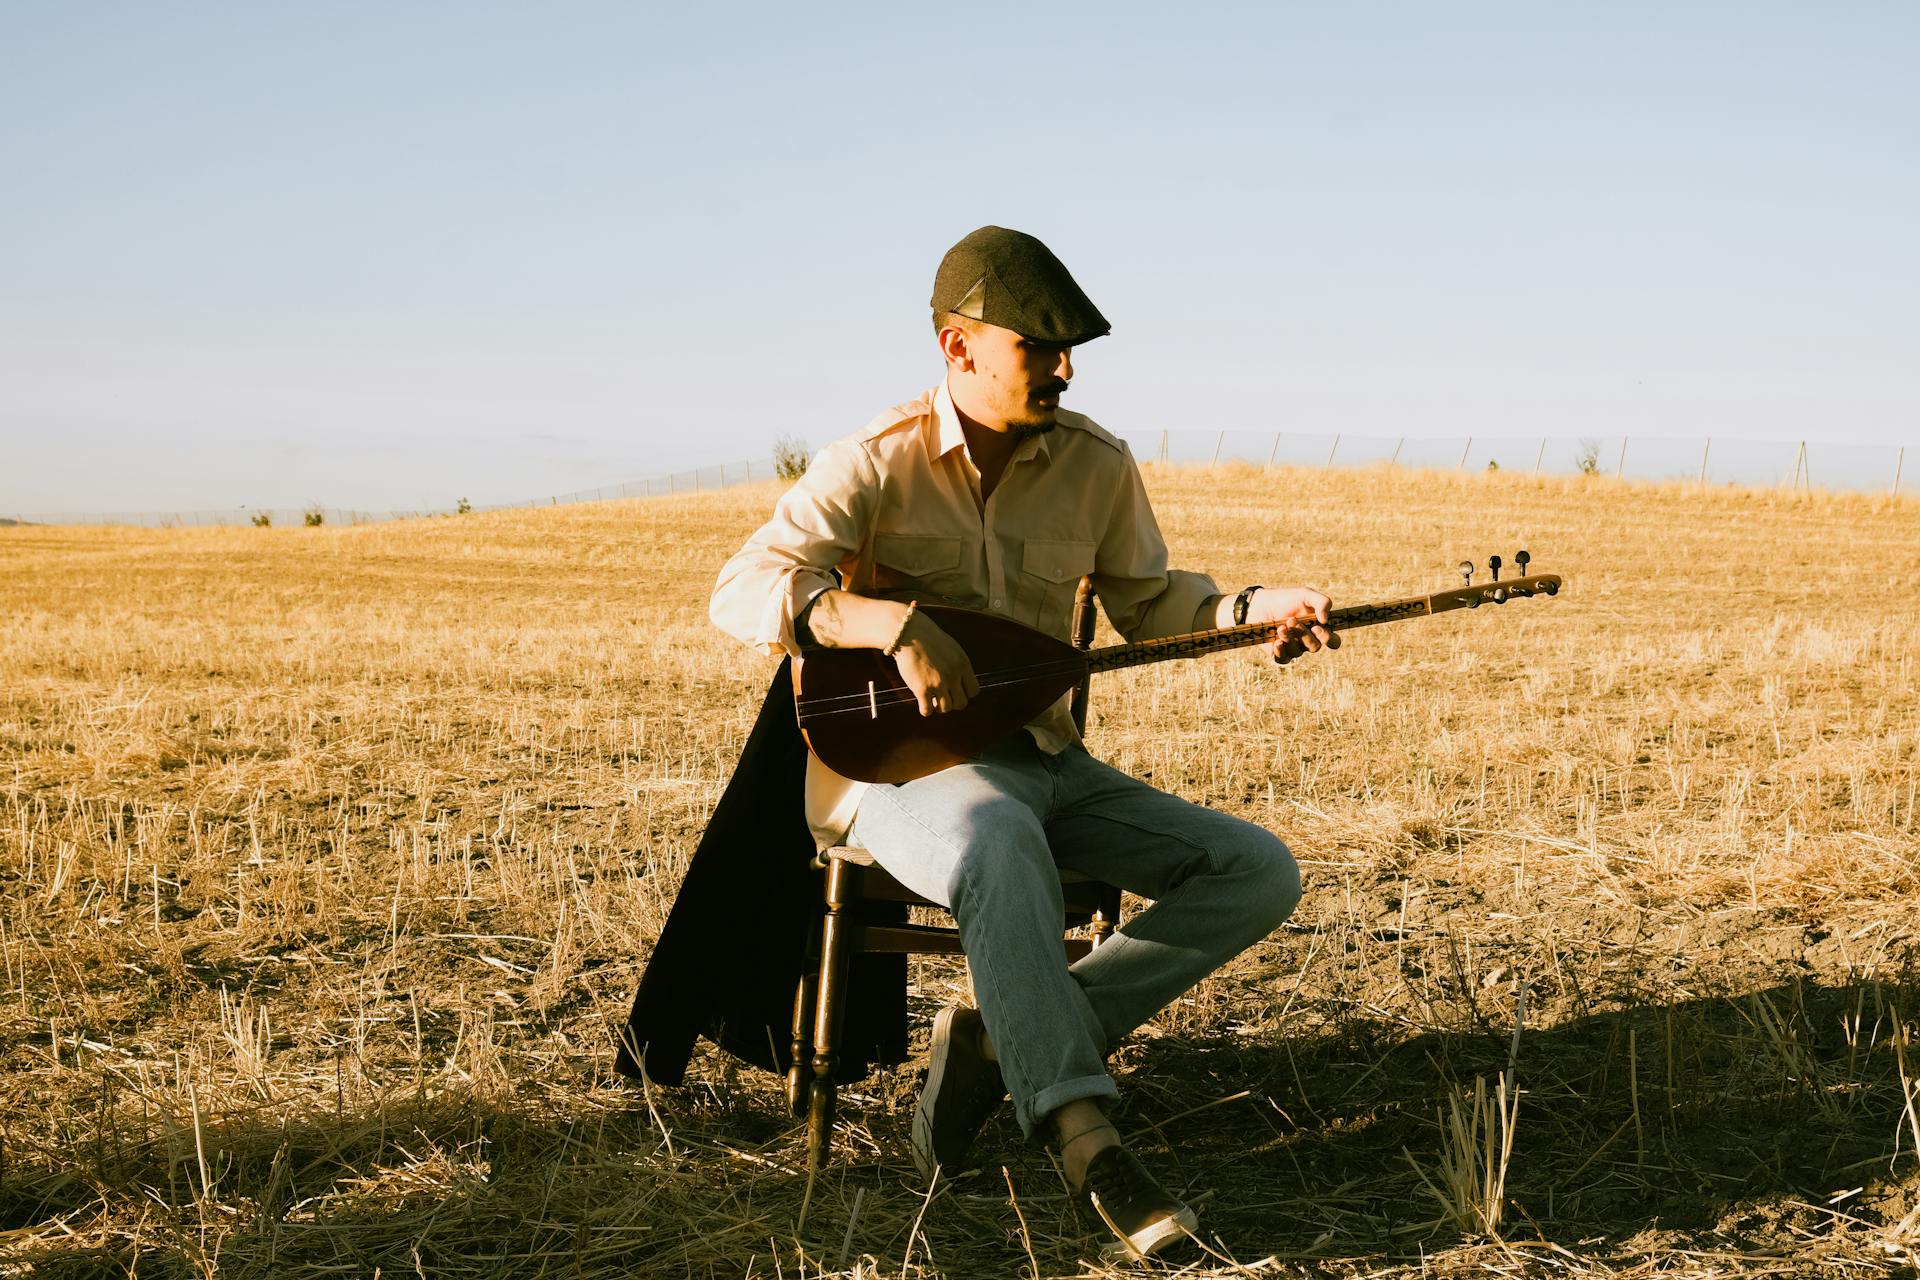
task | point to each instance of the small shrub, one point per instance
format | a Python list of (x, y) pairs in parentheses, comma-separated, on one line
[(789, 457), (1588, 458), (315, 517), (462, 507), (263, 520), (1493, 464)]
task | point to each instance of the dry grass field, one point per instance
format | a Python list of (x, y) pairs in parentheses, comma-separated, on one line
[(331, 857)]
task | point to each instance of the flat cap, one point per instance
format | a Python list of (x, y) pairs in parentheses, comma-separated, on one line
[(1008, 278)]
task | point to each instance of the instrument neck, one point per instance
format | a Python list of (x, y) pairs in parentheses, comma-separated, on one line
[(1195, 643)]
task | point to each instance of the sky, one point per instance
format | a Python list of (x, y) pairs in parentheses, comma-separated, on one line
[(383, 255)]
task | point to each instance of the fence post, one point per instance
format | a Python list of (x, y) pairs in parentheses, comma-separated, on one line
[(1620, 467), (1163, 445), (1334, 450), (1799, 460), (1540, 456), (1464, 452), (1703, 460), (1806, 471), (1271, 452), (1898, 463), (1398, 445), (1217, 442)]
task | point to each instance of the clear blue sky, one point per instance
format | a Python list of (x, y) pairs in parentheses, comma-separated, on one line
[(383, 255)]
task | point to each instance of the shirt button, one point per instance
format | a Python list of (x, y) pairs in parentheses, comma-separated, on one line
[(996, 604)]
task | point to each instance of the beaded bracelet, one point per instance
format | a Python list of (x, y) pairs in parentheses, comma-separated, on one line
[(901, 634)]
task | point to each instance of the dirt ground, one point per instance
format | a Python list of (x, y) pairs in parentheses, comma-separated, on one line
[(329, 859)]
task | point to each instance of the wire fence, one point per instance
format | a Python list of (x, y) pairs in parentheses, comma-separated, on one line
[(1787, 464), (1791, 464)]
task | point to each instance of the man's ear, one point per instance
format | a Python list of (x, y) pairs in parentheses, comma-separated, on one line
[(954, 348)]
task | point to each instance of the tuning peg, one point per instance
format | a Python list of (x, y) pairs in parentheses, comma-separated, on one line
[(1499, 595), (1493, 563), (1466, 571), (1520, 558)]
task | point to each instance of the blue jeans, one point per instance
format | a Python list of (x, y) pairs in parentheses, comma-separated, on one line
[(986, 839)]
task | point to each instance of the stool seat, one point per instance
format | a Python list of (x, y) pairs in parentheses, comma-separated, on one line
[(861, 857)]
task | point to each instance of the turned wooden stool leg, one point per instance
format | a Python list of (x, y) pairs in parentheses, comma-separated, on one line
[(1104, 915), (800, 1056), (836, 938)]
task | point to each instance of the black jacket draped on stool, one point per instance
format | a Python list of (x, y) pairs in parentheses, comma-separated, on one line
[(735, 944)]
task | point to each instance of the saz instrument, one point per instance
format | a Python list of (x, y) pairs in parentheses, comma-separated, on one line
[(863, 722)]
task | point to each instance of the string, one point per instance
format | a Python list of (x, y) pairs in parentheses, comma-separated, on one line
[(1143, 652), (812, 708), (861, 704), (1140, 653), (989, 679)]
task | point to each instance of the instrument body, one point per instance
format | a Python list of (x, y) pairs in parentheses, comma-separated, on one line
[(863, 722), (860, 718)]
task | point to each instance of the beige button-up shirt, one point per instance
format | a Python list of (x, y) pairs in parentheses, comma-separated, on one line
[(896, 509)]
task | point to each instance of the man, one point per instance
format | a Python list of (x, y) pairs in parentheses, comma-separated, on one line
[(984, 492)]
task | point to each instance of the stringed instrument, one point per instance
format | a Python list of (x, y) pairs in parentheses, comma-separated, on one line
[(863, 722)]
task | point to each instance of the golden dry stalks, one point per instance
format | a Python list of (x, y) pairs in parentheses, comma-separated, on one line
[(1909, 1089), (247, 1030), (1469, 1178)]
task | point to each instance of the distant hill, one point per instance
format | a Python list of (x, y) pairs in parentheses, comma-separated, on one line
[(7, 522)]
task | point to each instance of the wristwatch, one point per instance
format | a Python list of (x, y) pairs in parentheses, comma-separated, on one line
[(1240, 603)]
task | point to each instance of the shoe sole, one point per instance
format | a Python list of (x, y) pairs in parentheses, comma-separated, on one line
[(1148, 1241), (923, 1157)]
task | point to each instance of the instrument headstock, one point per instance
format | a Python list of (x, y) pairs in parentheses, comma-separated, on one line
[(1495, 591)]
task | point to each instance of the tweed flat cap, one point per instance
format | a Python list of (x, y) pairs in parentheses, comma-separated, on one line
[(1008, 278)]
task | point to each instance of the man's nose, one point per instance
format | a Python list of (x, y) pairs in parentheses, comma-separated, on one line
[(1064, 370)]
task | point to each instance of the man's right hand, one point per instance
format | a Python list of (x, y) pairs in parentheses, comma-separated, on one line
[(935, 667), (932, 662)]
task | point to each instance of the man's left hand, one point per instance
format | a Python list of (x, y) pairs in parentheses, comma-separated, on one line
[(1304, 611)]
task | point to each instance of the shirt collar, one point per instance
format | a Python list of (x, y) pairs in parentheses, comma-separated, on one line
[(948, 436)]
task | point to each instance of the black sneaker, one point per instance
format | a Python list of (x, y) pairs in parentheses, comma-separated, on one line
[(1121, 1195), (963, 1089)]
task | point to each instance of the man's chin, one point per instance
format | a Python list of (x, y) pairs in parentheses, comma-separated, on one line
[(1037, 422)]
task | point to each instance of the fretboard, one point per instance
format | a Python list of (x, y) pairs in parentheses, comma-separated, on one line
[(1195, 643)]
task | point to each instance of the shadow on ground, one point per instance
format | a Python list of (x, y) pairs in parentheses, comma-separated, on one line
[(1768, 1122)]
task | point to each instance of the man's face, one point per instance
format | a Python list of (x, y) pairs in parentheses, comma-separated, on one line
[(1010, 383)]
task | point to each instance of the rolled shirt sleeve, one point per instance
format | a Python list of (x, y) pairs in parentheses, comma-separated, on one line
[(1143, 598), (817, 525)]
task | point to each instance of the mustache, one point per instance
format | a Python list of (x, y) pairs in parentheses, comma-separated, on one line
[(1052, 389)]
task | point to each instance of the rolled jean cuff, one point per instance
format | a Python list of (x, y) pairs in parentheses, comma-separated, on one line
[(1031, 1112)]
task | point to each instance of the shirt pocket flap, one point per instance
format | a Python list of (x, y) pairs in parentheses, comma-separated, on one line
[(1057, 559), (917, 554)]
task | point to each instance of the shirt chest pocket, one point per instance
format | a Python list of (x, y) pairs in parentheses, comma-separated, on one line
[(1050, 568), (919, 562)]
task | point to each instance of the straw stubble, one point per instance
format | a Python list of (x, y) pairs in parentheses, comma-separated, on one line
[(332, 857)]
